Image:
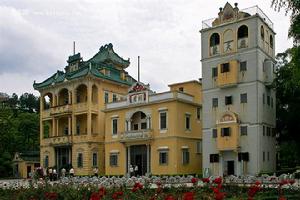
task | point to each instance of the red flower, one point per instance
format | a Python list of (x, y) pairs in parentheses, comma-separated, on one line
[(292, 181), (102, 191), (188, 196), (169, 197), (282, 198), (253, 190), (215, 190), (284, 182), (137, 186), (205, 180), (117, 195), (217, 180), (194, 180), (257, 183), (220, 196), (51, 195), (95, 196)]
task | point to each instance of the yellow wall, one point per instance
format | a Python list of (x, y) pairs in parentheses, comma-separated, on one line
[(228, 142), (174, 137), (22, 168), (193, 88), (228, 78)]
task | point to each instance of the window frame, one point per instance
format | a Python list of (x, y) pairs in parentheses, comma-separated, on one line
[(214, 133), (225, 133), (113, 163), (160, 120), (225, 67), (185, 156), (243, 66), (188, 124), (244, 130), (80, 160), (215, 102), (94, 159), (244, 98), (114, 126), (228, 100), (106, 97), (160, 156)]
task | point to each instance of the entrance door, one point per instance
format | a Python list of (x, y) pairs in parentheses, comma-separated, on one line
[(28, 171), (138, 159), (230, 167)]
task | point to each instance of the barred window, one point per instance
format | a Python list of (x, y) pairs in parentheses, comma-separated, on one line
[(244, 98), (113, 159), (215, 102), (243, 66), (244, 130), (163, 157)]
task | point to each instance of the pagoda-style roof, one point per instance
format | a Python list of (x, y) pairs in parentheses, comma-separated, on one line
[(105, 60), (27, 156), (106, 54)]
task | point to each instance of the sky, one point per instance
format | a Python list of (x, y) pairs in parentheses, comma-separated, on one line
[(36, 37)]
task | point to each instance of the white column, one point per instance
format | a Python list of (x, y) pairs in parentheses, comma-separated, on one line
[(69, 125)]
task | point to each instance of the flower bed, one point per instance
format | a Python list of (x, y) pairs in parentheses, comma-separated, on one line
[(152, 188)]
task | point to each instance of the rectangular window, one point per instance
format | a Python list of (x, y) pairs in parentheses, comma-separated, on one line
[(264, 156), (79, 160), (225, 132), (215, 102), (181, 89), (46, 162), (268, 100), (185, 156), (78, 129), (214, 133), (243, 66), (95, 160), (163, 120), (224, 67), (268, 131), (214, 158), (244, 130), (106, 97), (114, 98), (163, 157), (113, 159), (228, 100), (66, 131), (264, 130), (188, 122), (199, 147), (143, 125), (244, 98), (198, 113), (243, 156), (115, 126), (214, 72), (268, 156), (264, 98), (135, 127), (272, 103)]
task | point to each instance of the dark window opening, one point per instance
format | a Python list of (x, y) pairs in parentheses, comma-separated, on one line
[(214, 158), (243, 66), (228, 100), (225, 132), (224, 67)]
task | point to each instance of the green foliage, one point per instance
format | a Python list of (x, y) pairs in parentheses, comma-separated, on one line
[(19, 129)]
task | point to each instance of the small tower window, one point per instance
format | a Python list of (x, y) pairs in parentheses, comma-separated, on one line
[(262, 32), (243, 37), (271, 41), (214, 43)]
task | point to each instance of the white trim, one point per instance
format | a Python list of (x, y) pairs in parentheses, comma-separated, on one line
[(184, 147), (163, 148), (114, 116), (114, 151), (162, 109)]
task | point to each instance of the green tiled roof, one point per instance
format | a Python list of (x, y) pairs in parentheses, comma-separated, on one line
[(106, 58), (33, 156)]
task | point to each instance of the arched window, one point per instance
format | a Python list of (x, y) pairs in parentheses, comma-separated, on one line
[(214, 44), (262, 32), (271, 41), (243, 36), (243, 31), (228, 41)]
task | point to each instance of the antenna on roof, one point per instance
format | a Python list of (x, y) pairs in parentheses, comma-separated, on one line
[(138, 68), (73, 47)]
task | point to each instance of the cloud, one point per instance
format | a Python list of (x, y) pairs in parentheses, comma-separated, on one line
[(25, 47)]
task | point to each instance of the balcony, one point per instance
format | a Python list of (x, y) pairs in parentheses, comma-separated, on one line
[(58, 140), (228, 142), (138, 135), (46, 114), (228, 74), (61, 110)]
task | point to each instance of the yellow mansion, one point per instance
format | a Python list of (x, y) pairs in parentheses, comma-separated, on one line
[(96, 115)]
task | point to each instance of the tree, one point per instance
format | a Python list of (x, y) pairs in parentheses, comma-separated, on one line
[(287, 85), (29, 102)]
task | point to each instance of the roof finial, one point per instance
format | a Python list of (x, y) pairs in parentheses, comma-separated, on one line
[(73, 47), (236, 4), (138, 68)]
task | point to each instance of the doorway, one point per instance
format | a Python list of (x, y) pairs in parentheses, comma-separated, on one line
[(230, 167), (138, 159), (28, 171)]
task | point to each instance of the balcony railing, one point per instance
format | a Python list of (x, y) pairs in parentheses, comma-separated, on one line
[(136, 135), (64, 109), (255, 10), (59, 140)]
